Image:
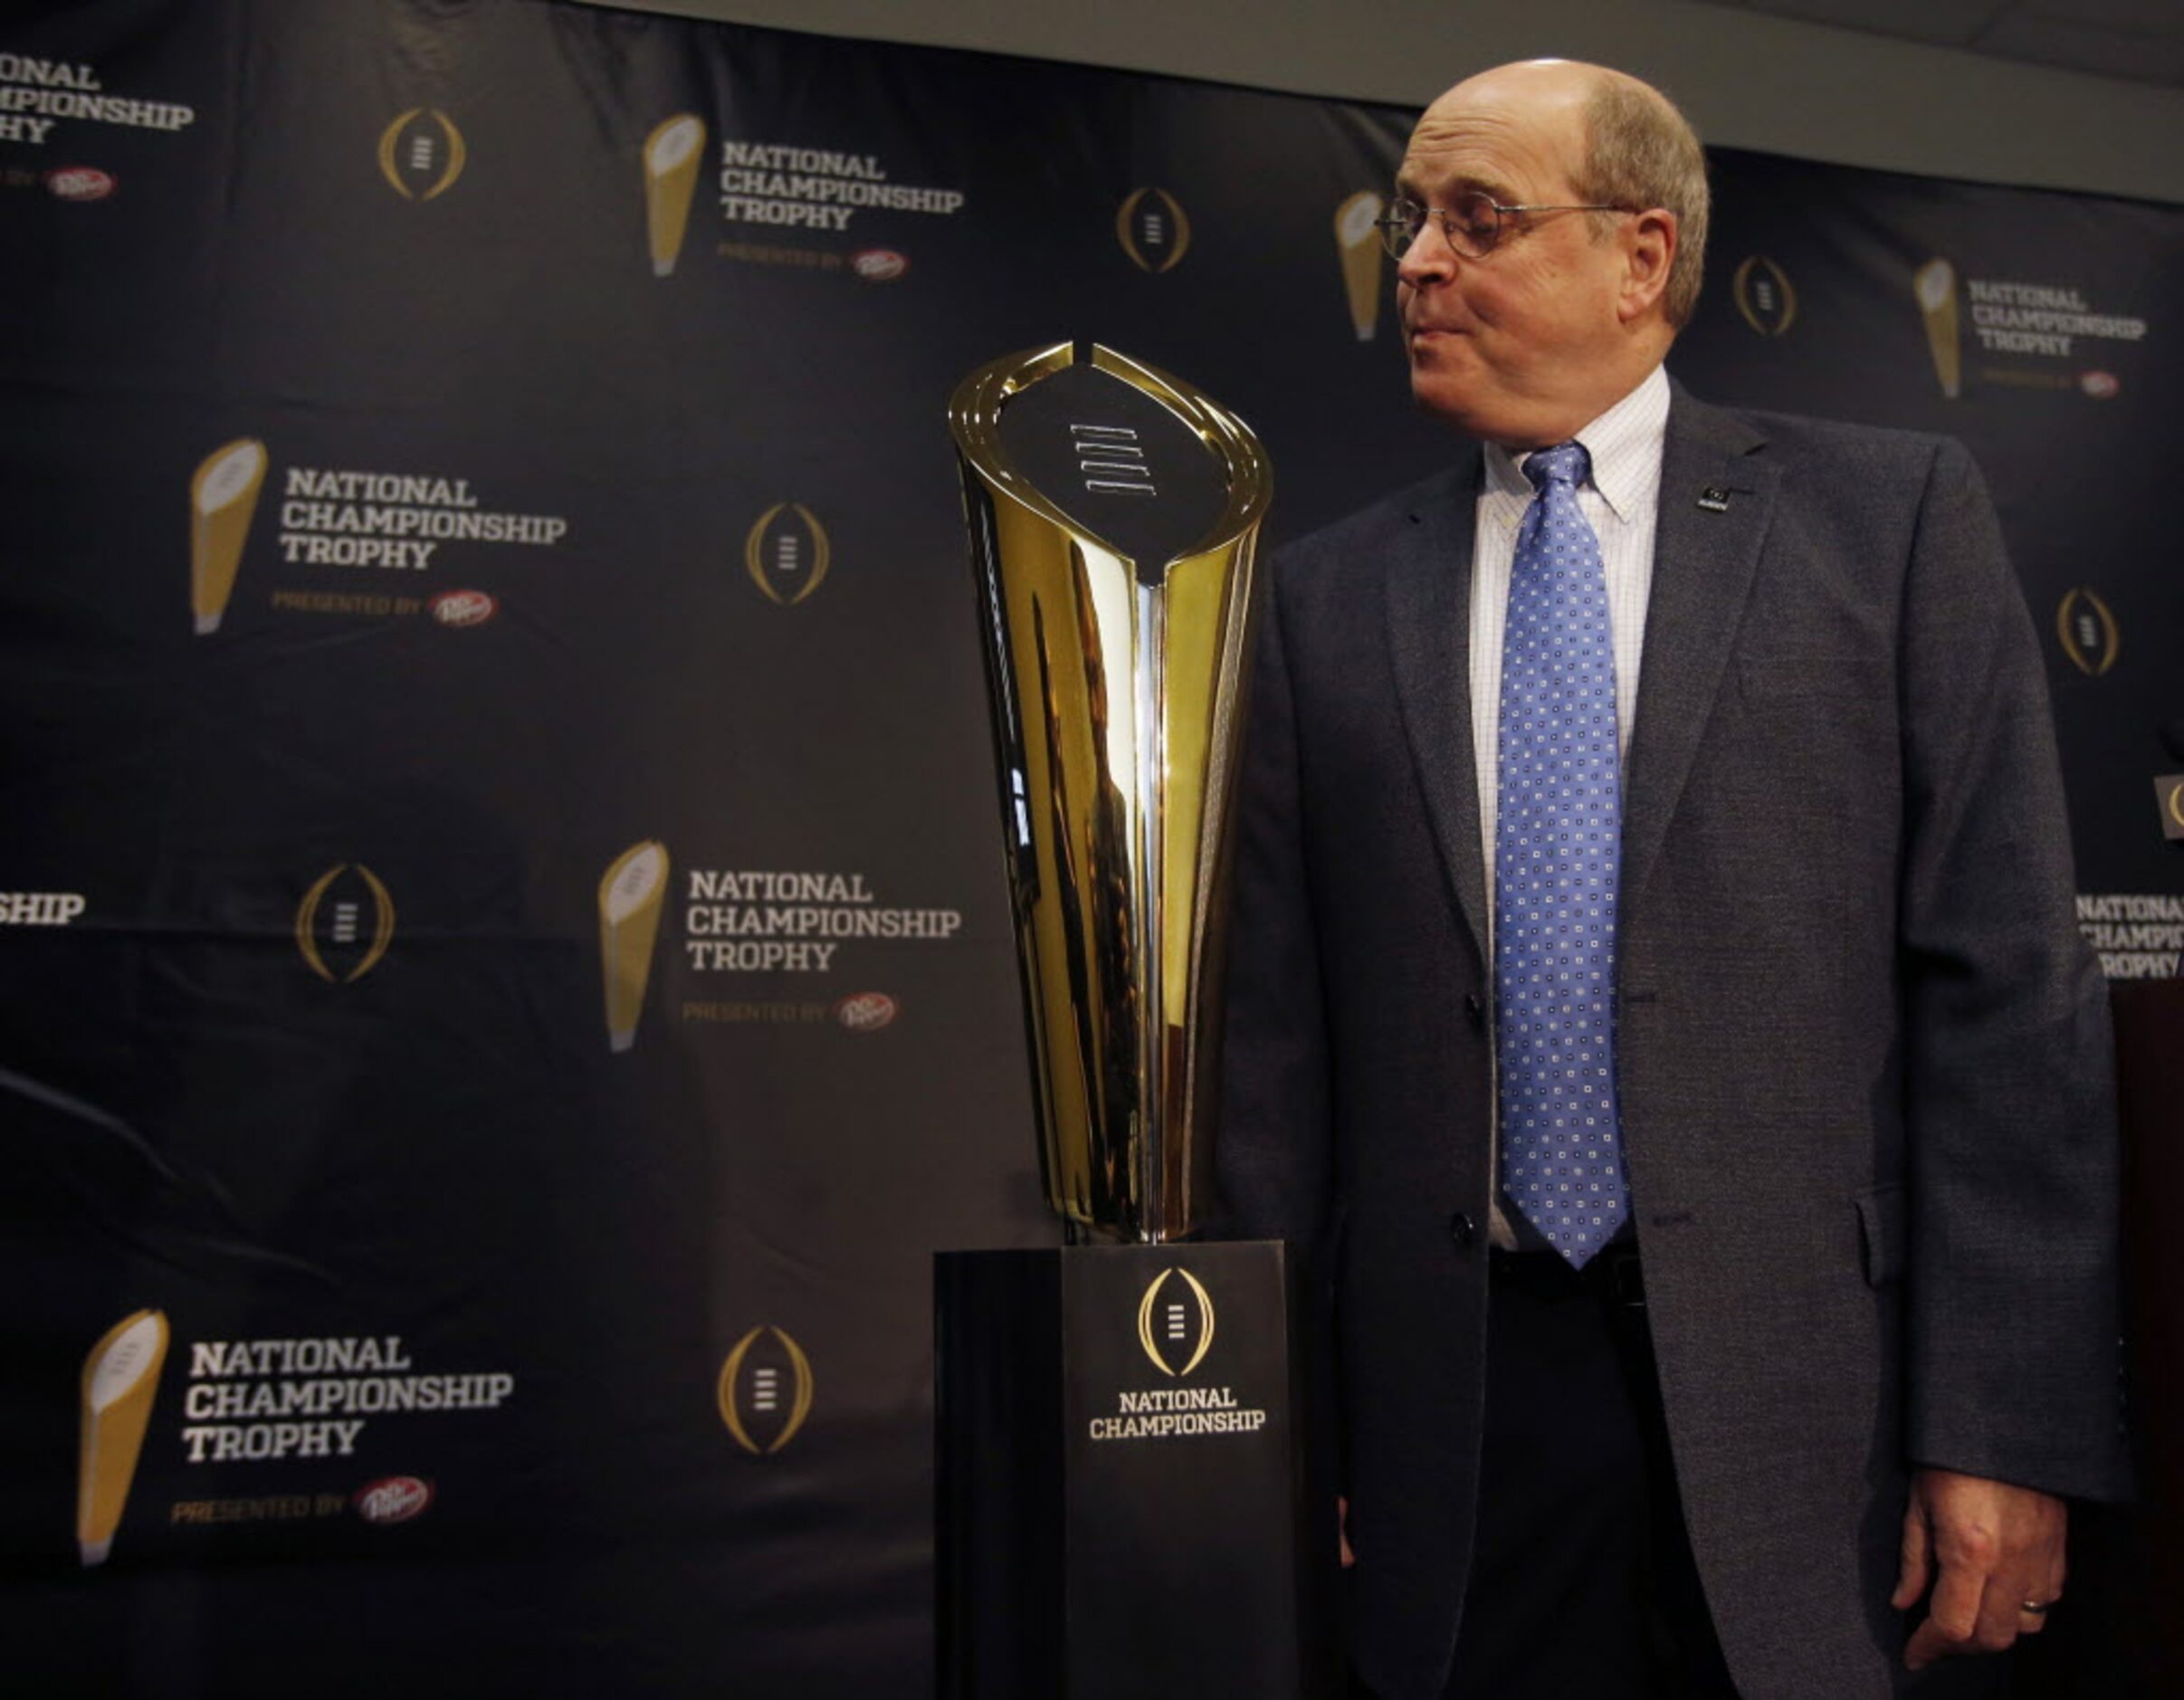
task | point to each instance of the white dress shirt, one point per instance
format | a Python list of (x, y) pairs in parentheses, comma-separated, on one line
[(1621, 501)]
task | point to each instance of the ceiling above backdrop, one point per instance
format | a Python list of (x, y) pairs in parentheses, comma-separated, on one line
[(2084, 95), (2140, 40)]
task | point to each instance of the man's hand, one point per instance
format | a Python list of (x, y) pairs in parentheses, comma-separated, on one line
[(1987, 1549), (1342, 1531)]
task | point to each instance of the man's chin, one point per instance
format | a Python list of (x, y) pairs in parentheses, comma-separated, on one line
[(1437, 393)]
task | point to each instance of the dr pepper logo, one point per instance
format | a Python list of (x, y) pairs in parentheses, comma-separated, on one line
[(78, 182), (464, 607), (393, 1499), (865, 1012), (879, 265)]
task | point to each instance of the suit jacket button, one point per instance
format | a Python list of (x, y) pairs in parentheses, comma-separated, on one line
[(1463, 1231), (1474, 1009)]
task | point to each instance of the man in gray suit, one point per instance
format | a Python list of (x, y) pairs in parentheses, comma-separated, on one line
[(1774, 1377)]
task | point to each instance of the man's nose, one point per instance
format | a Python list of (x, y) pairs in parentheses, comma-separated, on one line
[(1428, 259)]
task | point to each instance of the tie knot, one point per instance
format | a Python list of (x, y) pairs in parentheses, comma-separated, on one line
[(1565, 463)]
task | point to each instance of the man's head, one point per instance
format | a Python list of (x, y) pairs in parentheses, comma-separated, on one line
[(1568, 310)]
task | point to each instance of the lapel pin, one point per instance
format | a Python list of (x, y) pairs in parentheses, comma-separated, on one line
[(1714, 500)]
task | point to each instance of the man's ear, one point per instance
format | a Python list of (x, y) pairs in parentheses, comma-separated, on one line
[(1649, 248)]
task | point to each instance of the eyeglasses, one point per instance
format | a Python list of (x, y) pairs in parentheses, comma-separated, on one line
[(1471, 224)]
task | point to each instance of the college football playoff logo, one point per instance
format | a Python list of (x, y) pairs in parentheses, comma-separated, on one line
[(345, 923), (1153, 229), (1764, 296), (787, 553), (1175, 1324), (421, 154), (2088, 632), (765, 1391)]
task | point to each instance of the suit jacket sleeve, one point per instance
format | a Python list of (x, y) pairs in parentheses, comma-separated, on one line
[(2011, 1364)]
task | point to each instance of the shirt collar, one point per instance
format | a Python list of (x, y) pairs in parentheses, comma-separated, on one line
[(1624, 443)]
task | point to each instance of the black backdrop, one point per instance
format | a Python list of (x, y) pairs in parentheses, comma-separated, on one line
[(304, 1030)]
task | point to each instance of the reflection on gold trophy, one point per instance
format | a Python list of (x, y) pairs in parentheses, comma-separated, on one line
[(671, 155), (1115, 673), (120, 1377), (1361, 253), (630, 898), (223, 497), (1935, 283)]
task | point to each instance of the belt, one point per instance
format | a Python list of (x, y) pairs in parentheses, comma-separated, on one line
[(1614, 1274)]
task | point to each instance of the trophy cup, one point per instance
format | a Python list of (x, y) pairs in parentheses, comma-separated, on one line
[(1122, 1508)]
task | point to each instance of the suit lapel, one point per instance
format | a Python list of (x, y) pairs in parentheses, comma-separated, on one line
[(1429, 635), (1705, 555)]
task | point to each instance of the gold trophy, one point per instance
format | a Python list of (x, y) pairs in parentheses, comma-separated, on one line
[(1114, 511), (1359, 243), (1935, 284), (223, 497), (120, 1377), (631, 895), (671, 155)]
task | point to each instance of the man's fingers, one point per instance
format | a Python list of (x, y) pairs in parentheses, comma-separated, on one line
[(2046, 1594), (1342, 1531), (1912, 1575), (1993, 1549), (2002, 1614), (1952, 1616)]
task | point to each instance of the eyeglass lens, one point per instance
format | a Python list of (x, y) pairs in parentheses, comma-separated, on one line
[(1471, 224)]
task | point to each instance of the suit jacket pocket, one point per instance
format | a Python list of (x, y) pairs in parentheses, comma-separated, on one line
[(1881, 1233)]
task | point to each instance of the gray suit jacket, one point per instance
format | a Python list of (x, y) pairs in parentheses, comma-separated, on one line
[(1864, 1055)]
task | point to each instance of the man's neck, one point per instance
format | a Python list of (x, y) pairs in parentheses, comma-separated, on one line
[(1631, 368)]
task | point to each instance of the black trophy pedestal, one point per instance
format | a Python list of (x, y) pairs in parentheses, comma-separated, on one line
[(1123, 1508)]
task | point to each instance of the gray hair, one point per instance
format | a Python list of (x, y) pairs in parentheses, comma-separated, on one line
[(1641, 152)]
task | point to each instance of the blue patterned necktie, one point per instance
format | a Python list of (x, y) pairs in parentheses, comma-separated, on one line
[(1557, 853)]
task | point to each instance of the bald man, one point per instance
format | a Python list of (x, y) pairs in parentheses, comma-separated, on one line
[(1657, 1006)]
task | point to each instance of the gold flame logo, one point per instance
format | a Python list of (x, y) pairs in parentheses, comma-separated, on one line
[(307, 924), (121, 1379), (672, 154), (1935, 284), (1764, 296), (422, 153), (1357, 242), (1153, 229), (788, 561), (760, 1399), (2088, 631), (1170, 1326)]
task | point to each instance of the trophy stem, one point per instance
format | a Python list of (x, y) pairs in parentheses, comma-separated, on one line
[(1151, 677)]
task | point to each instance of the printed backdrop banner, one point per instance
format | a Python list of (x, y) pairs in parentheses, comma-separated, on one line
[(505, 977)]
